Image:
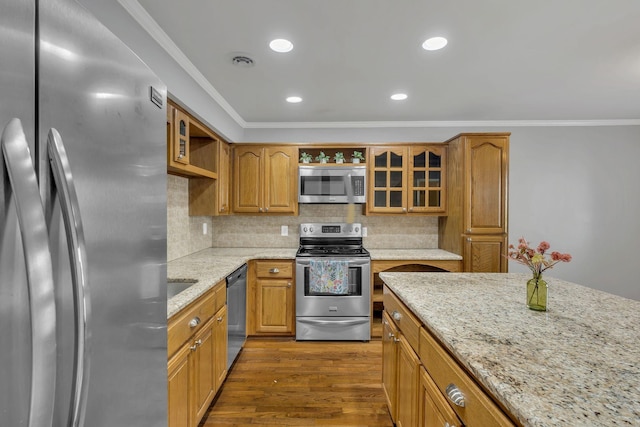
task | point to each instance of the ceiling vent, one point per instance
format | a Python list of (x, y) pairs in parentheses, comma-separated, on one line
[(242, 61)]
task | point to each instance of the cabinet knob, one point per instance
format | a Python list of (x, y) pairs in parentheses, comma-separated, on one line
[(391, 335), (288, 284), (274, 270), (260, 210), (194, 322), (180, 156), (220, 319), (396, 315), (455, 395), (195, 345), (404, 210), (222, 209), (410, 209), (266, 209)]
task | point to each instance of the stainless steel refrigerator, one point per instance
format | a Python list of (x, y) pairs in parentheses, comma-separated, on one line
[(82, 224)]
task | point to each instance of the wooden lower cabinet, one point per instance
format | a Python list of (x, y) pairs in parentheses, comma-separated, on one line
[(179, 405), (416, 372), (485, 253), (433, 409), (198, 367), (220, 350), (271, 298), (408, 366), (390, 363)]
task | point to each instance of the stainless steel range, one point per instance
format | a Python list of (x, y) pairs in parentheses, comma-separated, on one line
[(333, 284)]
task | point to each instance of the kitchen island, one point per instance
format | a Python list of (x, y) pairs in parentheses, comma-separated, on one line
[(574, 365)]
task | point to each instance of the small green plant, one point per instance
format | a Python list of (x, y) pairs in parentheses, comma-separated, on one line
[(357, 155), (305, 157), (322, 158), (339, 156)]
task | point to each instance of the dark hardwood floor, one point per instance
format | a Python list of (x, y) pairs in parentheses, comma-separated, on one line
[(281, 382)]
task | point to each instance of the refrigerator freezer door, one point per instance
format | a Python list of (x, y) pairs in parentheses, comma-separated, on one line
[(96, 93), (17, 95)]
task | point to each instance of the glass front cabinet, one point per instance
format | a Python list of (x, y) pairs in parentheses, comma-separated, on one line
[(407, 179)]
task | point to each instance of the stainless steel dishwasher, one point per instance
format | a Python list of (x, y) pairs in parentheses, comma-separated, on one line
[(236, 313)]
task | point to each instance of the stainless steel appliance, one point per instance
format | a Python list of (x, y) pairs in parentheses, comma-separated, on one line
[(333, 285), (332, 184), (236, 313), (82, 224)]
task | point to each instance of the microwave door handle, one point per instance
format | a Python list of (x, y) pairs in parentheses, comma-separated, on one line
[(74, 230), (37, 255)]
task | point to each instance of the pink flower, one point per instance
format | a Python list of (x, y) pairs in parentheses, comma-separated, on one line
[(536, 259), (543, 246)]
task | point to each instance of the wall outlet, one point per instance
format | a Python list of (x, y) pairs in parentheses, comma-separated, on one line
[(204, 228), (284, 230), (364, 231)]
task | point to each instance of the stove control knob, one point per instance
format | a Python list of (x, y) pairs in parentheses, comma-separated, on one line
[(304, 229), (310, 229), (357, 229)]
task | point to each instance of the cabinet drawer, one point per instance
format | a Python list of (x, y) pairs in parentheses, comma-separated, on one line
[(274, 269), (478, 409), (403, 318), (221, 295), (189, 322)]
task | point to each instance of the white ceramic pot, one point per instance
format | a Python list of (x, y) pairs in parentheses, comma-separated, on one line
[(355, 160)]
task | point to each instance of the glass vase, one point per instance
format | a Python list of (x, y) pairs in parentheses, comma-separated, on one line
[(537, 294)]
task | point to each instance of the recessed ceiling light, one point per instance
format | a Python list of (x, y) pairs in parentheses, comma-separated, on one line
[(281, 45), (399, 96), (434, 43), (294, 99)]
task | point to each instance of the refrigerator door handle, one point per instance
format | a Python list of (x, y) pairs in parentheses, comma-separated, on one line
[(74, 230), (39, 272)]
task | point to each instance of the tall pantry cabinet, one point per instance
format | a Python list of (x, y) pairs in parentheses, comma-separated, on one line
[(476, 224)]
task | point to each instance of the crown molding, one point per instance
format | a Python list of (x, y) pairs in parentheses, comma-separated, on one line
[(445, 123), (141, 16)]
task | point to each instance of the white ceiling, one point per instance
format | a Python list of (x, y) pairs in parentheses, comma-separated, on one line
[(507, 60)]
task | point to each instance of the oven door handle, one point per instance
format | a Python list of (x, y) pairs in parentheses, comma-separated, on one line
[(353, 262), (336, 323)]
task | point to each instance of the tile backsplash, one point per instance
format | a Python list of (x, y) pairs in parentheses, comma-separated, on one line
[(185, 234)]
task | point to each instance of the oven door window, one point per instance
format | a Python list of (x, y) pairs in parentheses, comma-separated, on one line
[(354, 286)]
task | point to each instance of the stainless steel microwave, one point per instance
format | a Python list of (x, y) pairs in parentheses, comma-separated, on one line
[(332, 184)]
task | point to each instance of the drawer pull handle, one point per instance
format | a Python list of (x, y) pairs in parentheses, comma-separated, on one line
[(274, 270), (220, 319), (391, 335), (455, 395), (194, 322), (196, 345), (396, 315)]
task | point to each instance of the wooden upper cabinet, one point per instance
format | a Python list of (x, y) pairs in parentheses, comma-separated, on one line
[(224, 178), (248, 178), (486, 184), (476, 222), (387, 180), (281, 171), (407, 179), (426, 179), (180, 137), (265, 179)]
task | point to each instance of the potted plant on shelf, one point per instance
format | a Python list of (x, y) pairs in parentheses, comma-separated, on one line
[(305, 157), (356, 157), (339, 157), (322, 158)]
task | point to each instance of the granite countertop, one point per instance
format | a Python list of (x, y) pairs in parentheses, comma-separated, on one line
[(209, 266), (578, 364), (413, 254)]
